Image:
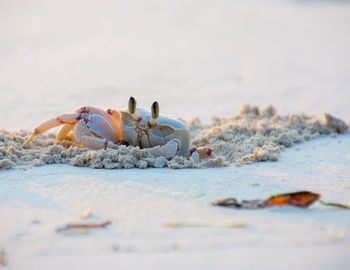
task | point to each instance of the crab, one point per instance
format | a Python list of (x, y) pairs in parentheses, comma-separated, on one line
[(98, 129)]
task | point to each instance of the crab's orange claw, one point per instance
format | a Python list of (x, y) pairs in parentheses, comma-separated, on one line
[(115, 115)]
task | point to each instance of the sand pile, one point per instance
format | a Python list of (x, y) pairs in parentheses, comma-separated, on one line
[(250, 136), (255, 135)]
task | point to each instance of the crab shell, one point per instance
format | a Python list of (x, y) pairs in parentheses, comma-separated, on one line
[(138, 130)]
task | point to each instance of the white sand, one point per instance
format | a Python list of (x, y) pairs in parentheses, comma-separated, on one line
[(138, 203), (196, 58)]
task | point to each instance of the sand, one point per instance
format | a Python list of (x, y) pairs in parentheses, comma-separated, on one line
[(140, 204), (252, 135), (196, 58)]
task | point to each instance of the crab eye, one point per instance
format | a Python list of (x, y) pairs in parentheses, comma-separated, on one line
[(132, 105), (155, 110)]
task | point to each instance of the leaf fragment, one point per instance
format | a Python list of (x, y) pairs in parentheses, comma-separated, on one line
[(81, 228), (335, 204), (302, 199), (233, 202)]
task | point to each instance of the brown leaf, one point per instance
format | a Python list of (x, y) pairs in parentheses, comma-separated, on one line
[(298, 199), (81, 228)]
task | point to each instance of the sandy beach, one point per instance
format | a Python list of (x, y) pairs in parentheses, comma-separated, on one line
[(35, 202), (197, 59)]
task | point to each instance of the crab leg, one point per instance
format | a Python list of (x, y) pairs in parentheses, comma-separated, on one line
[(96, 143), (54, 122), (63, 132)]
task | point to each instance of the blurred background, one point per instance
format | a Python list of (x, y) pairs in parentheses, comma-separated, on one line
[(196, 58)]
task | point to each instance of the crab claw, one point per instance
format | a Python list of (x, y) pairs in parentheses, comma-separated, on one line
[(132, 107), (155, 113), (168, 150)]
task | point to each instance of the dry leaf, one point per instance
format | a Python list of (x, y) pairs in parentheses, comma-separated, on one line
[(298, 199), (81, 228)]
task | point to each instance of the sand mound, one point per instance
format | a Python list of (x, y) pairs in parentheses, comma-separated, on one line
[(250, 136), (256, 135)]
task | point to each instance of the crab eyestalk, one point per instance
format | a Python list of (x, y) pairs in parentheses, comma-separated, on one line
[(132, 107), (155, 113)]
